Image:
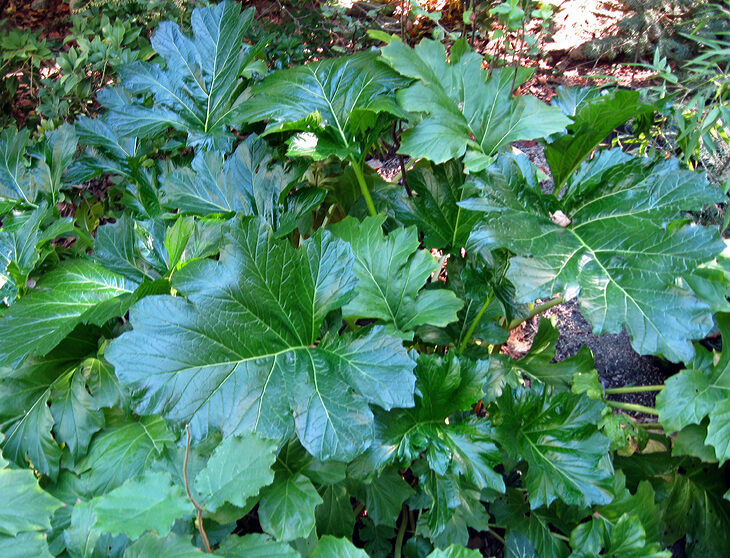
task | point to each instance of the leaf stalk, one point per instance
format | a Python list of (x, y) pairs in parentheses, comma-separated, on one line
[(199, 520), (635, 407), (535, 311), (357, 168), (632, 389), (475, 322), (401, 533)]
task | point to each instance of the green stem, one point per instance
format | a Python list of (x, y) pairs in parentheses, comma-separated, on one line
[(474, 323), (632, 389), (85, 238), (357, 167), (359, 509), (633, 407), (409, 166), (650, 425), (535, 311), (401, 533), (199, 520)]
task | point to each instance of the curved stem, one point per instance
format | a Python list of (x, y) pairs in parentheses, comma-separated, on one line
[(535, 311), (632, 389), (401, 533), (199, 521), (357, 167), (475, 322), (633, 407)]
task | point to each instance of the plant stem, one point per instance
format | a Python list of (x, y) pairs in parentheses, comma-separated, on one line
[(535, 311), (358, 510), (357, 167), (199, 522), (401, 533), (474, 323), (632, 389), (83, 237), (650, 425), (633, 407)]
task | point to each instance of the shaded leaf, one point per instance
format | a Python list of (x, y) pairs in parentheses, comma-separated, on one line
[(170, 546), (287, 507)]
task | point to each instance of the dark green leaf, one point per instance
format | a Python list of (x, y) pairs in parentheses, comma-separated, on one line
[(617, 253), (287, 507), (557, 436), (334, 516), (198, 93), (62, 299), (518, 545), (595, 117), (171, 546), (335, 100), (258, 311), (392, 272)]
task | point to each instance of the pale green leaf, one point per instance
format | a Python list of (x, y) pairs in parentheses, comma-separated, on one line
[(255, 545), (331, 547), (467, 112), (454, 552), (25, 506), (150, 502), (237, 470), (170, 546), (25, 545)]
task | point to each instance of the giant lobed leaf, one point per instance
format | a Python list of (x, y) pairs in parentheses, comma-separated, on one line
[(62, 299), (392, 272), (617, 253), (242, 353), (467, 112), (336, 101), (557, 435), (198, 92)]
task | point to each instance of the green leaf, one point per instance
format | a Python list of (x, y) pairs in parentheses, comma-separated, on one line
[(557, 436), (334, 515), (692, 395), (237, 470), (248, 182), (595, 117), (199, 91), (75, 412), (454, 552), (55, 156), (24, 545), (150, 502), (384, 497), (435, 212), (458, 446), (330, 547), (617, 253), (336, 100), (80, 537), (15, 180), (467, 112), (537, 364), (392, 272), (254, 545), (62, 299), (171, 546), (24, 396), (25, 506), (265, 373), (287, 507), (513, 510), (518, 546), (122, 450)]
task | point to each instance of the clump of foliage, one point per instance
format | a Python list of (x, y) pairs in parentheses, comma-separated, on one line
[(247, 363)]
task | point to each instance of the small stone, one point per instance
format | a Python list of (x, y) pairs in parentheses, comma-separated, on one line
[(39, 5)]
